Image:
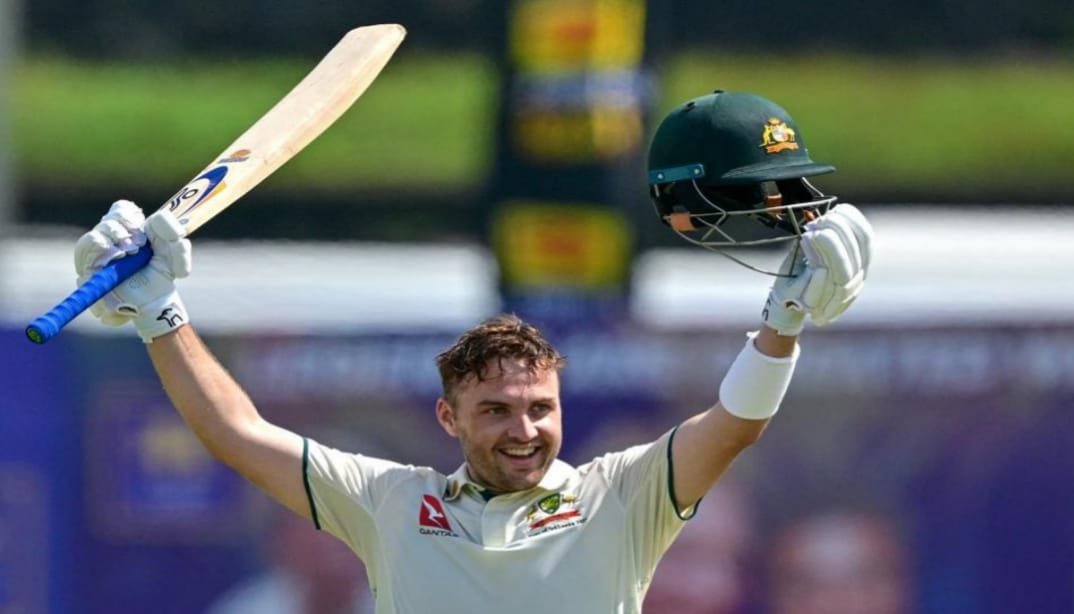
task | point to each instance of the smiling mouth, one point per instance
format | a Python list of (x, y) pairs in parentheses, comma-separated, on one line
[(520, 452)]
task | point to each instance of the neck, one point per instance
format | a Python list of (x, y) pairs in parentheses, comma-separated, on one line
[(482, 484)]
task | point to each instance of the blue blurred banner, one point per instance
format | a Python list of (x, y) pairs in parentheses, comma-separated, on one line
[(39, 479), (148, 477)]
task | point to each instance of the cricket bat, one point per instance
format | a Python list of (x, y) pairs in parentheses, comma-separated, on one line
[(298, 118)]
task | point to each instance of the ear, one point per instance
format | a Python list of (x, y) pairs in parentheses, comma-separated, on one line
[(445, 415)]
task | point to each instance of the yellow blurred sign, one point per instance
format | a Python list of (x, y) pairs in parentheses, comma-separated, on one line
[(599, 133), (557, 244), (558, 35), (578, 91)]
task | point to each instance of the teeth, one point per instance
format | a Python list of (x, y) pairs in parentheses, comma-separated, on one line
[(520, 451)]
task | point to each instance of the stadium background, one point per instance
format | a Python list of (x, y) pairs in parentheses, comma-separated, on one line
[(941, 401)]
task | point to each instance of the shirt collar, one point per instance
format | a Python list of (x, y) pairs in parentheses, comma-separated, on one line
[(555, 479)]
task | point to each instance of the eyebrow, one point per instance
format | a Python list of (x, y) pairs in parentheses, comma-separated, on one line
[(488, 402)]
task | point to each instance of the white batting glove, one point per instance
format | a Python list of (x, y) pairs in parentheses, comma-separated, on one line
[(827, 273), (783, 310), (149, 297)]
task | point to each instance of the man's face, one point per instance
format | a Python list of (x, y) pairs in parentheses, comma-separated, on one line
[(509, 425)]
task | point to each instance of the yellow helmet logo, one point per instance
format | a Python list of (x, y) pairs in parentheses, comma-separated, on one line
[(777, 136)]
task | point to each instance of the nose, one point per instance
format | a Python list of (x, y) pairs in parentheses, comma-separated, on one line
[(523, 429)]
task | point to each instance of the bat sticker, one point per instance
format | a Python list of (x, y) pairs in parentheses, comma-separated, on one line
[(195, 192), (239, 155)]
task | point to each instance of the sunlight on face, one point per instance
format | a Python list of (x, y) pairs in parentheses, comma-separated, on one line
[(509, 425)]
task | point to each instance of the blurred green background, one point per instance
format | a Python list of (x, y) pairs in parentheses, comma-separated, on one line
[(941, 128), (938, 102)]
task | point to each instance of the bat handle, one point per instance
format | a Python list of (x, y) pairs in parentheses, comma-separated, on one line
[(104, 281)]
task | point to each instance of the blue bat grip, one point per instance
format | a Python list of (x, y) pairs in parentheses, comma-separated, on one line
[(104, 281)]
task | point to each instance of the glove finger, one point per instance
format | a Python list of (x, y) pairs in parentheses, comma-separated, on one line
[(111, 301), (87, 248), (809, 250), (162, 225), (127, 240), (863, 230), (829, 312), (121, 300), (183, 260), (114, 230), (842, 299), (175, 252), (126, 213), (98, 309), (107, 310), (832, 255), (794, 262), (833, 310), (172, 259), (817, 291), (92, 251), (114, 319), (842, 227), (123, 224)]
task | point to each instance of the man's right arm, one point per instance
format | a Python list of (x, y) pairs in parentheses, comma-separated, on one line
[(226, 421), (209, 400)]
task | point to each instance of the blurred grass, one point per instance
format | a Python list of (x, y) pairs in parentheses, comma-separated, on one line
[(954, 127), (423, 120), (947, 126)]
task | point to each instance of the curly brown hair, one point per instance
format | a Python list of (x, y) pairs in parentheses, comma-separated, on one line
[(497, 338)]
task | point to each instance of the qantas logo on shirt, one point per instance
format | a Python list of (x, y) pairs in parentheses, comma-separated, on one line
[(432, 518)]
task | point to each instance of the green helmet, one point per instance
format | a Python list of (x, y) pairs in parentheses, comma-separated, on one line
[(720, 163)]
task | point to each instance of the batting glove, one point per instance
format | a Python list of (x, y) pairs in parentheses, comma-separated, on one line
[(825, 272), (148, 298)]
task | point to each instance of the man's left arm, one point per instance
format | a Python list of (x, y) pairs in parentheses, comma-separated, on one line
[(823, 275), (705, 445)]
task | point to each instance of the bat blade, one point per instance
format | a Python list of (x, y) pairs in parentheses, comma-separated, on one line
[(340, 78), (298, 118)]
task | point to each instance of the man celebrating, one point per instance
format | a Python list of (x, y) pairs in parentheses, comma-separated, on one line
[(515, 529)]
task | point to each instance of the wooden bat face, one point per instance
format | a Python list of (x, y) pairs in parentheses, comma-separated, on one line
[(298, 118)]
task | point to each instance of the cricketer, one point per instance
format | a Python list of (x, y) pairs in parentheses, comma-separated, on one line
[(514, 529)]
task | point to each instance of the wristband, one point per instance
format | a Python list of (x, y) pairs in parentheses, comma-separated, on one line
[(755, 384)]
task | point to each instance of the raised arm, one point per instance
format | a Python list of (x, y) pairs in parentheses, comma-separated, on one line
[(823, 279), (206, 396), (707, 443), (220, 413)]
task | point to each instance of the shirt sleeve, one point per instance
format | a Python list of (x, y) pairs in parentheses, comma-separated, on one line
[(344, 491), (642, 478)]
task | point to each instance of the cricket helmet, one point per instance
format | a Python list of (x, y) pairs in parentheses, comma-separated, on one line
[(729, 169)]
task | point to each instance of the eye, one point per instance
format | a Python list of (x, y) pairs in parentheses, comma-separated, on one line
[(541, 409), (496, 410)]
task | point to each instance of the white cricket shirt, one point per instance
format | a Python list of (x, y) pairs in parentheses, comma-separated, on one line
[(585, 540)]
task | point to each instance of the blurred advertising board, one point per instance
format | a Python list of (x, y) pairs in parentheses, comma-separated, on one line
[(574, 104)]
